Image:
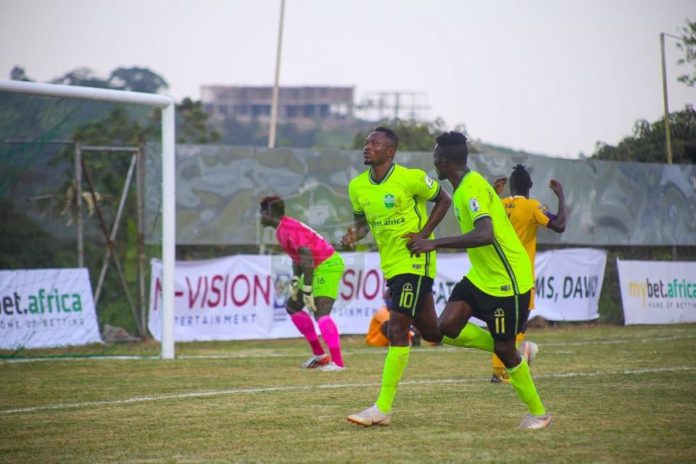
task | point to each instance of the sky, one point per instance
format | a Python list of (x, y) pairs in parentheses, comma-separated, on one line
[(544, 76)]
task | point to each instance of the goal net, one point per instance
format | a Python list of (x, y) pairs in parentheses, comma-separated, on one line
[(73, 253)]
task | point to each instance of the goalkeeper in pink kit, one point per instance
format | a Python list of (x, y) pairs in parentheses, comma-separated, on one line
[(317, 270)]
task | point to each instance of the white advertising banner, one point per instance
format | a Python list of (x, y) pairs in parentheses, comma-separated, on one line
[(46, 308), (243, 297), (657, 292), (568, 282)]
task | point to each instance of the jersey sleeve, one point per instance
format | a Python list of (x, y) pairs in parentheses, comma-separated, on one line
[(540, 213), (423, 185), (478, 202)]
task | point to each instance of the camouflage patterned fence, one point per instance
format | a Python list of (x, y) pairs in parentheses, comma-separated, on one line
[(610, 203)]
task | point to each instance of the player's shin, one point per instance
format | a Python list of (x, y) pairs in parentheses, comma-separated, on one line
[(521, 380), (305, 326), (394, 367), (329, 332)]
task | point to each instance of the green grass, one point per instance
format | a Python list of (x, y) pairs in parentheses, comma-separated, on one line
[(618, 394)]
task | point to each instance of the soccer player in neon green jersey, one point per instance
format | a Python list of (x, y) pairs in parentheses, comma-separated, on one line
[(390, 200), (497, 288)]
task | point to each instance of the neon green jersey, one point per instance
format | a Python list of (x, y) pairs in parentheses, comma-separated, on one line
[(394, 207), (500, 269)]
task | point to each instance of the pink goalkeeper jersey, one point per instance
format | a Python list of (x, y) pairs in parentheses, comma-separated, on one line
[(293, 235)]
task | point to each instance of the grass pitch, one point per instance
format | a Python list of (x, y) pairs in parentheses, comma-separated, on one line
[(618, 394)]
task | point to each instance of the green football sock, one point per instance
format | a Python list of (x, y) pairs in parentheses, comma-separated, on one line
[(471, 336), (394, 367), (522, 381)]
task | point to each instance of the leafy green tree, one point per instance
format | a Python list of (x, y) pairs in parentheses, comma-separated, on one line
[(192, 124), (24, 243), (647, 144), (688, 46)]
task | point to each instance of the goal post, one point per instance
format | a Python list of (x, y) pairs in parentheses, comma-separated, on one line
[(167, 106)]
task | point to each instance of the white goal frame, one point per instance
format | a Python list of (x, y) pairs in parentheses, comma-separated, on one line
[(167, 105)]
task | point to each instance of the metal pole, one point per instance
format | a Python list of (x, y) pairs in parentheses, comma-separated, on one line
[(168, 230), (274, 101), (86, 93), (668, 132), (139, 193), (78, 202)]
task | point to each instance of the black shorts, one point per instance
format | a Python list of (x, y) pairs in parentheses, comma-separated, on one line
[(505, 316), (408, 292)]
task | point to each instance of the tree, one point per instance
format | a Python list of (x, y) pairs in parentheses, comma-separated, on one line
[(18, 74), (192, 123), (688, 46), (133, 79), (647, 144), (83, 77), (413, 135), (137, 80)]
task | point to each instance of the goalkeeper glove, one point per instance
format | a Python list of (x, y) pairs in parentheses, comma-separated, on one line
[(294, 287), (307, 298)]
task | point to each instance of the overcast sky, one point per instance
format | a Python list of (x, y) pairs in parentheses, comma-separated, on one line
[(545, 76)]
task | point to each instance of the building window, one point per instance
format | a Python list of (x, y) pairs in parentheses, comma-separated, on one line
[(260, 110)]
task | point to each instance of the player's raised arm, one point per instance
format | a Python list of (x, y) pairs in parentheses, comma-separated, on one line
[(557, 222), (499, 185)]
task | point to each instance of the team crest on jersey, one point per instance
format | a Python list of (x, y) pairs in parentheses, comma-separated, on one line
[(389, 200), (429, 182), (474, 205)]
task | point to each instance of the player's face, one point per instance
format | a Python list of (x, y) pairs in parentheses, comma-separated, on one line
[(441, 165), (378, 149), (266, 219)]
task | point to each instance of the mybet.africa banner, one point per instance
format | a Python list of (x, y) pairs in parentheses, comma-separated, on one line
[(657, 292), (243, 297), (46, 308)]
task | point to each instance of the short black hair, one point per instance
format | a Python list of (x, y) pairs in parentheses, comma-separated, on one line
[(452, 145), (520, 180), (391, 135), (273, 205)]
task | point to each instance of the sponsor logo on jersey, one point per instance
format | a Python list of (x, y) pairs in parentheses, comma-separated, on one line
[(387, 222), (474, 205)]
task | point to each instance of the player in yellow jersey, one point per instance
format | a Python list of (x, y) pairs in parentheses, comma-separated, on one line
[(498, 285), (389, 200), (527, 215)]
